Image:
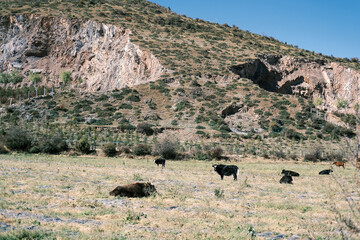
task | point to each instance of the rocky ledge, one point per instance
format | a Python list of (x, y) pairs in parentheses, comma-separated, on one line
[(100, 56), (314, 79)]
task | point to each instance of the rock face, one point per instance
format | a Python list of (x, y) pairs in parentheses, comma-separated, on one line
[(100, 56), (308, 78)]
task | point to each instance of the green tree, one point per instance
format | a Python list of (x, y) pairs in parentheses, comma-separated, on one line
[(15, 76), (65, 77), (4, 78), (35, 77)]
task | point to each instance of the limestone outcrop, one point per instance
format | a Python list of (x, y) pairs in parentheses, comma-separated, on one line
[(100, 56), (308, 78)]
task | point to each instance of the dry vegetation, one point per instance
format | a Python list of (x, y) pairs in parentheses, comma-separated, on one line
[(68, 197)]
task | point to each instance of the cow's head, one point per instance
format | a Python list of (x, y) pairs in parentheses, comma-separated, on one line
[(214, 166), (149, 188), (115, 192)]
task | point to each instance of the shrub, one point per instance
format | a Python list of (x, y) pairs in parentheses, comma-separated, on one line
[(292, 134), (109, 149), (125, 106), (145, 128), (124, 125), (52, 145), (65, 77), (182, 105), (142, 150), (216, 152), (102, 97), (133, 98), (35, 149), (313, 155), (14, 77), (342, 103), (200, 155), (279, 154), (125, 150), (335, 156), (17, 139), (166, 147), (35, 77), (83, 146), (219, 193)]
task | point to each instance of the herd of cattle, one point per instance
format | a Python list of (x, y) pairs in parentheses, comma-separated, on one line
[(139, 189)]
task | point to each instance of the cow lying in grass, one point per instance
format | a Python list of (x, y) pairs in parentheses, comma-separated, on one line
[(160, 161), (134, 190), (226, 170), (290, 173), (286, 179), (325, 172), (339, 164)]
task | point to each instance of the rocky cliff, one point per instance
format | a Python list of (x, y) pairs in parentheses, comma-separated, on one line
[(314, 79), (100, 56)]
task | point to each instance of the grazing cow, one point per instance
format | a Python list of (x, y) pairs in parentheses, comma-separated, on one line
[(286, 179), (226, 170), (339, 164), (134, 190), (160, 161), (290, 173), (325, 172)]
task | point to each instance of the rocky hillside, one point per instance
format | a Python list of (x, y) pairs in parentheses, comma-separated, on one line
[(112, 44), (133, 62), (99, 56), (321, 80)]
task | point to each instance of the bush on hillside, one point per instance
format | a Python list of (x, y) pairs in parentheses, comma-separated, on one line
[(167, 147), (216, 152), (313, 155), (83, 146), (145, 128), (109, 149), (142, 150), (53, 145), (17, 139)]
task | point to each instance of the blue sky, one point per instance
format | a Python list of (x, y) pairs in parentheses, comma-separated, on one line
[(331, 27)]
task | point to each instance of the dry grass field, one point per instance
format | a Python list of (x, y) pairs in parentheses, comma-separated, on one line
[(59, 197)]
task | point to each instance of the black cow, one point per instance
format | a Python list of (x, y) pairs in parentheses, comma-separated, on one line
[(286, 179), (325, 172), (137, 189), (226, 170), (160, 161), (290, 173)]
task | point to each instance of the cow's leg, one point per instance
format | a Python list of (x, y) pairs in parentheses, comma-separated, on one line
[(222, 177), (235, 177)]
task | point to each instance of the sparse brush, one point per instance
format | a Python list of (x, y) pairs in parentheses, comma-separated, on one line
[(219, 193), (109, 149), (245, 184), (134, 217), (216, 152), (167, 147), (17, 139)]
